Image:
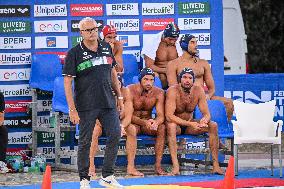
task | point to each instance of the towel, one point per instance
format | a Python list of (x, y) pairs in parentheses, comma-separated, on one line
[(151, 47)]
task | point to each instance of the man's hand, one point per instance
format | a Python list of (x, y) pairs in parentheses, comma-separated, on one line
[(123, 132), (204, 120), (120, 108), (198, 126), (1, 118), (154, 124), (148, 124), (74, 117), (207, 97)]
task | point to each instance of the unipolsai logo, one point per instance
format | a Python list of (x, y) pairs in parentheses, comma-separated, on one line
[(50, 10), (51, 41), (125, 24), (15, 58)]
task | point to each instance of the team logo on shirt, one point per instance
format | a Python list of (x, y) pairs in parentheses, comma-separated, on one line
[(86, 56)]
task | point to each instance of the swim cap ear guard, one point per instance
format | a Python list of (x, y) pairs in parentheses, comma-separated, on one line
[(171, 30), (145, 71), (184, 41), (184, 71)]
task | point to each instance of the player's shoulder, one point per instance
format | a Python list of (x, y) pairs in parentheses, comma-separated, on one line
[(197, 89)]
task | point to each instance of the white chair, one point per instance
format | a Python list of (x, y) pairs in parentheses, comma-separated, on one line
[(255, 125)]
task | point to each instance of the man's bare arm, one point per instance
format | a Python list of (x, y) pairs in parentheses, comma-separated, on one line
[(73, 114), (128, 106), (118, 59), (172, 73), (170, 108), (160, 108), (150, 63), (68, 92), (208, 79), (114, 83), (202, 105)]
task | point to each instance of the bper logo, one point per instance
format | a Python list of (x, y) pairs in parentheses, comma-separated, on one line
[(122, 7), (51, 41), (15, 40), (123, 40)]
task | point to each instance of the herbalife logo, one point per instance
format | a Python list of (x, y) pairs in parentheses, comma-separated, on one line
[(157, 8)]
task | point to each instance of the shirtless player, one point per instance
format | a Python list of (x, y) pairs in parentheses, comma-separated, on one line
[(109, 36), (125, 120), (181, 101), (145, 97), (201, 69), (162, 49)]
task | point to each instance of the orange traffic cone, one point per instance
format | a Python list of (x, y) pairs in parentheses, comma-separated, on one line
[(229, 180), (46, 182)]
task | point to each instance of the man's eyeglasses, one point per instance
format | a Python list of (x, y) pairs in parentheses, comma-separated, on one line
[(91, 30)]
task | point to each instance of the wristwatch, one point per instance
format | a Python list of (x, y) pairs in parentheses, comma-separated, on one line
[(120, 98)]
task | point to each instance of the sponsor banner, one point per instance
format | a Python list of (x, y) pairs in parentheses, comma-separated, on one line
[(156, 24), (157, 8), (20, 138), (194, 8), (76, 40), (15, 10), (49, 152), (15, 43), (122, 9), (44, 121), (45, 26), (61, 55), (129, 40), (75, 25), (16, 105), (16, 90), (44, 105), (255, 89), (202, 38), (87, 10), (15, 27), (15, 74), (49, 42), (47, 137), (24, 121), (50, 10), (18, 152), (205, 54), (136, 53), (193, 23), (124, 24), (15, 58)]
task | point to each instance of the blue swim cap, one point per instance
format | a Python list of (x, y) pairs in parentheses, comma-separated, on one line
[(184, 41), (184, 71), (171, 30), (145, 71)]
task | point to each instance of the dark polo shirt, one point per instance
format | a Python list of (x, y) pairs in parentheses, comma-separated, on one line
[(92, 75)]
